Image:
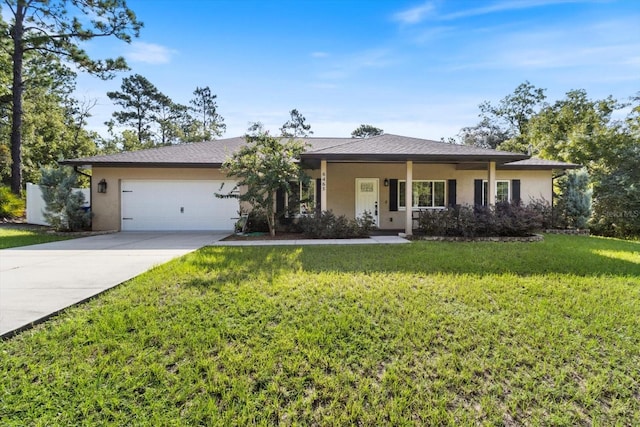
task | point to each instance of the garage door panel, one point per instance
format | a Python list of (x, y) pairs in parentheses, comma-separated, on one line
[(177, 205)]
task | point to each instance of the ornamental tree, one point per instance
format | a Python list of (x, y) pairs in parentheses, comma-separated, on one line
[(263, 166)]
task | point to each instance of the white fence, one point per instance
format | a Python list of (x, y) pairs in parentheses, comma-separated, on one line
[(35, 204)]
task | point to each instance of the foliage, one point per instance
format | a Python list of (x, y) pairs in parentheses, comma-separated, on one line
[(11, 205), (140, 101), (296, 127), (422, 333), (257, 221), (64, 207), (14, 237), (366, 131), (209, 123), (574, 202), (56, 29), (505, 219), (327, 225), (504, 125), (574, 129), (616, 207), (53, 123), (484, 135), (578, 130), (263, 166), (155, 119)]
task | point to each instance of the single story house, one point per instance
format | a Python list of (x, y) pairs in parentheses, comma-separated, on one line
[(174, 187)]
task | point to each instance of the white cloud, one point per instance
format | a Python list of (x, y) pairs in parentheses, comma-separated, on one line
[(418, 14), (319, 54), (149, 53), (415, 14), (503, 6), (349, 65)]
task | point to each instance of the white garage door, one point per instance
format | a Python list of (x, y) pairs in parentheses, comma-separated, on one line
[(177, 205)]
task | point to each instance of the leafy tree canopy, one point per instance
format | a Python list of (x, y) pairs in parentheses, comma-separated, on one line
[(366, 131), (296, 127), (58, 27)]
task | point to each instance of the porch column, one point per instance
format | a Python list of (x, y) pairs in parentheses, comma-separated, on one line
[(323, 185), (408, 199), (491, 184)]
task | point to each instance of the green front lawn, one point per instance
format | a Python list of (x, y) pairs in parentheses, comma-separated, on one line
[(13, 237), (429, 333)]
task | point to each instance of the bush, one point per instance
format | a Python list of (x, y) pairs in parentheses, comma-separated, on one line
[(327, 225), (257, 221), (11, 205), (64, 207), (505, 219), (574, 201)]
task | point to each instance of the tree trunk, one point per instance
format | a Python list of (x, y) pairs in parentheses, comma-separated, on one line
[(16, 91)]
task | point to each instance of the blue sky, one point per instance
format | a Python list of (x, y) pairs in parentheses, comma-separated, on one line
[(415, 68)]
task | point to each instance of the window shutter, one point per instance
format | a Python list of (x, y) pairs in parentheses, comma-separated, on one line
[(477, 192), (393, 195), (280, 195), (452, 192), (318, 195), (515, 191)]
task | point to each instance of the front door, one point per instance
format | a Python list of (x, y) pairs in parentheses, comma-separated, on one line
[(367, 197)]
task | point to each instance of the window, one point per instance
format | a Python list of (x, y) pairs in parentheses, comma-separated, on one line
[(303, 197), (426, 194), (503, 192)]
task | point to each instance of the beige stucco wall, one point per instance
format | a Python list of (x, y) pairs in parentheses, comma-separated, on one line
[(105, 207), (340, 186)]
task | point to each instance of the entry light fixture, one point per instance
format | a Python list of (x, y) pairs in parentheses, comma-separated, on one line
[(386, 182), (102, 186)]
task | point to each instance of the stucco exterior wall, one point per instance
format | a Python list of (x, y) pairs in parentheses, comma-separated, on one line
[(341, 178), (105, 207), (535, 185)]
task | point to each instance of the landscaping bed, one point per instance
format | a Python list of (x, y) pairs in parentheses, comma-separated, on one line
[(505, 239)]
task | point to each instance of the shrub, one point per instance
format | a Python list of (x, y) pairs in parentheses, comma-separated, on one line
[(574, 201), (327, 225), (11, 205), (64, 207), (505, 219), (257, 221)]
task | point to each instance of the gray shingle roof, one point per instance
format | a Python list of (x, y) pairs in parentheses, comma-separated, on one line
[(401, 147), (196, 154), (535, 163), (384, 147)]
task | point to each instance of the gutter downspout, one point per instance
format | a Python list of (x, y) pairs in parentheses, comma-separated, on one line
[(78, 171)]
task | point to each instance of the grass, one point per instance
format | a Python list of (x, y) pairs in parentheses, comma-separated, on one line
[(430, 333), (12, 238)]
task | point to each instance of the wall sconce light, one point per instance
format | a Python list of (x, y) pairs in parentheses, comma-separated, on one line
[(102, 186), (386, 182)]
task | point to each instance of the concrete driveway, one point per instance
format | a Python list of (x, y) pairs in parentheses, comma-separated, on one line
[(40, 280)]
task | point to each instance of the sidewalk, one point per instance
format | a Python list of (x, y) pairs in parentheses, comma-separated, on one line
[(386, 240)]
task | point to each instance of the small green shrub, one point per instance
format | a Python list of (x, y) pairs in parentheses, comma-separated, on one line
[(64, 206), (11, 205), (327, 225), (257, 221), (505, 219)]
